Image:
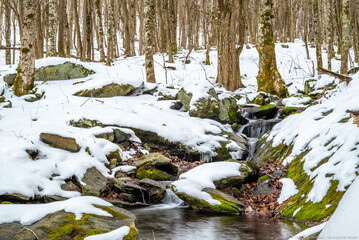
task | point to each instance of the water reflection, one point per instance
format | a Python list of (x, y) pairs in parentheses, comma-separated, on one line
[(185, 224)]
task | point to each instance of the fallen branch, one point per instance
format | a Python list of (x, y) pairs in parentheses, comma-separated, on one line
[(334, 74), (11, 48)]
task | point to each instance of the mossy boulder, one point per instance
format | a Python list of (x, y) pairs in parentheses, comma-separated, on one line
[(63, 225), (110, 90), (95, 183), (249, 173), (308, 211), (205, 108), (116, 136), (57, 141), (63, 71), (229, 111), (152, 159), (153, 173), (288, 111), (228, 204), (268, 111)]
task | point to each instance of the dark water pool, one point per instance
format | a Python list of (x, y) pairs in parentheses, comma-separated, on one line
[(162, 222)]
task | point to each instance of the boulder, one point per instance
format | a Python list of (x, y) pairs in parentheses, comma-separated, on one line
[(266, 112), (288, 111), (155, 166), (130, 192), (96, 183), (263, 188), (353, 70), (249, 173), (155, 189), (116, 136), (63, 71), (14, 198), (10, 79), (228, 204), (63, 225), (152, 159), (56, 141), (110, 90), (229, 111)]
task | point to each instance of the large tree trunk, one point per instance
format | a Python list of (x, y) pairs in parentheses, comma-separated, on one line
[(317, 33), (228, 57), (25, 75), (78, 31), (51, 47), (150, 26), (61, 33), (141, 31), (39, 35), (269, 79)]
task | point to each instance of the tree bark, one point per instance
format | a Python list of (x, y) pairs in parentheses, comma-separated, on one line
[(317, 33), (51, 47), (269, 79), (110, 29), (150, 16), (7, 32), (100, 30), (25, 74), (345, 38)]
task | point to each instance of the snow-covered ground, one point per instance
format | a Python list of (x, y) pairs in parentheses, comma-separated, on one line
[(21, 125)]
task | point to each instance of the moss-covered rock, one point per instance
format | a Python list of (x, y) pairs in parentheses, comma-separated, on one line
[(152, 159), (249, 172), (309, 86), (153, 173), (267, 111), (307, 210), (63, 225), (10, 79), (57, 141), (288, 111), (155, 189), (130, 192), (63, 71), (228, 204), (110, 90)]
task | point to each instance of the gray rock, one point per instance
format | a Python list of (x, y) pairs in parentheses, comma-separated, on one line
[(63, 225), (263, 188), (110, 90), (14, 197), (63, 71), (130, 192), (65, 143), (249, 172), (156, 190), (96, 183), (52, 198), (10, 78), (152, 159)]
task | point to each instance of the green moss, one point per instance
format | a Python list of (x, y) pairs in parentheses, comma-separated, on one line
[(72, 229), (25, 50), (344, 120), (225, 205), (133, 234), (87, 149), (268, 106), (223, 152), (288, 111), (263, 178), (151, 173), (6, 202)]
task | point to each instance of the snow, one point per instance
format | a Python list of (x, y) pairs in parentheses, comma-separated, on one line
[(117, 234), (344, 222), (296, 101), (310, 231), (27, 214), (195, 180), (288, 190), (124, 168)]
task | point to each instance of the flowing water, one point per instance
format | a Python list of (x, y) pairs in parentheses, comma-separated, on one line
[(173, 220)]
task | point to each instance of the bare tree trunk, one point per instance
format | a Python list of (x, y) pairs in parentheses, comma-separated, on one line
[(173, 25), (126, 23), (100, 30), (51, 47), (25, 76), (317, 33), (345, 38), (269, 79), (78, 31), (141, 31), (167, 30), (228, 55), (110, 29), (61, 33), (7, 32), (150, 16), (39, 35)]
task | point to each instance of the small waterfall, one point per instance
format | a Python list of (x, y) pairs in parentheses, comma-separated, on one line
[(255, 129), (172, 199)]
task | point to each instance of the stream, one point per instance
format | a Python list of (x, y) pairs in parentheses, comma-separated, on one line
[(175, 221)]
